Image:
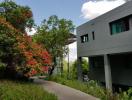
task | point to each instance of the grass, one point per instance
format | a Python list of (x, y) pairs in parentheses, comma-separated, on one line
[(93, 88), (15, 90), (90, 88)]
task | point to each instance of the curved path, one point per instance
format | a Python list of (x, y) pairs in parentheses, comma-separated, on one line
[(64, 92)]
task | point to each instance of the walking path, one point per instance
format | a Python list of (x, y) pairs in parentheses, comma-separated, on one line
[(64, 92)]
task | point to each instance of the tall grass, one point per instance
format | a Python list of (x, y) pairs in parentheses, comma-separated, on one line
[(15, 90), (90, 88), (93, 88)]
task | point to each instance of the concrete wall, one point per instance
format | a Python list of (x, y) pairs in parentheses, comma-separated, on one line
[(104, 42), (96, 70), (121, 69)]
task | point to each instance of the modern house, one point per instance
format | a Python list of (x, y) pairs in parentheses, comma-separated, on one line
[(107, 42)]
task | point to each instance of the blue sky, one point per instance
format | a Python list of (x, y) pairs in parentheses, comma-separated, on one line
[(69, 9)]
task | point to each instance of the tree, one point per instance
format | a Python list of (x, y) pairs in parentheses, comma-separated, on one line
[(20, 17), (85, 68), (54, 34), (18, 53)]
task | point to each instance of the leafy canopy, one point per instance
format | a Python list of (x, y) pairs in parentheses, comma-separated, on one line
[(54, 34), (18, 53), (20, 17)]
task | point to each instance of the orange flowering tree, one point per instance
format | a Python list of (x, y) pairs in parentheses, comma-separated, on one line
[(18, 53), (37, 59), (20, 17)]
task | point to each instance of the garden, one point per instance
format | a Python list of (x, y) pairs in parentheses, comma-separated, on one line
[(91, 87), (23, 56), (20, 57)]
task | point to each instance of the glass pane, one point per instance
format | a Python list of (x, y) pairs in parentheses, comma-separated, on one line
[(113, 28), (119, 27)]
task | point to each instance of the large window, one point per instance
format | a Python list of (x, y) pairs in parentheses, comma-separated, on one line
[(120, 25), (84, 38)]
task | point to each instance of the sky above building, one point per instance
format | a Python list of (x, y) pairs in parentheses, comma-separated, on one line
[(79, 11), (69, 9)]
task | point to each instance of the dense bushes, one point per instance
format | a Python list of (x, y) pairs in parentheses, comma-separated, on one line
[(19, 54)]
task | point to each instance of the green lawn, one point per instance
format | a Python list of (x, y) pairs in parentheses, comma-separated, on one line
[(15, 90)]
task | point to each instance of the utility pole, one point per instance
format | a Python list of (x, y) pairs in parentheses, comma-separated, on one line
[(68, 65)]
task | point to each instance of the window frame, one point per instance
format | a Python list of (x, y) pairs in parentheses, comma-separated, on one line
[(84, 38), (119, 24)]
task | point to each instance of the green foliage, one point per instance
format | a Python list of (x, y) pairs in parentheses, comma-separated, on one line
[(85, 68), (90, 87), (64, 65), (7, 41), (10, 90), (93, 88), (19, 16), (2, 66), (54, 33), (18, 53), (126, 95)]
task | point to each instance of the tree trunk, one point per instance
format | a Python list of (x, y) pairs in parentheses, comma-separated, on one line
[(53, 67), (61, 65)]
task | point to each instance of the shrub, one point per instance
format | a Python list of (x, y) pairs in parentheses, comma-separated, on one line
[(85, 68), (19, 53)]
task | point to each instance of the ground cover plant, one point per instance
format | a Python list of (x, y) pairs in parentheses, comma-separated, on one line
[(93, 88), (16, 90)]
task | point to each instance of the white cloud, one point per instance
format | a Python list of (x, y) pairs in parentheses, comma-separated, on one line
[(92, 9), (31, 32)]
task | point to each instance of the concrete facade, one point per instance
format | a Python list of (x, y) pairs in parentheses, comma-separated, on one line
[(104, 43)]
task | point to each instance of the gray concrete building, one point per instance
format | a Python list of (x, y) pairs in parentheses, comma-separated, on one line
[(107, 42)]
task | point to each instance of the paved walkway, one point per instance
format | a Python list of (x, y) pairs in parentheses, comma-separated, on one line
[(64, 92)]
